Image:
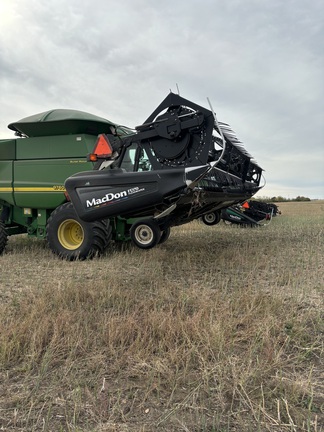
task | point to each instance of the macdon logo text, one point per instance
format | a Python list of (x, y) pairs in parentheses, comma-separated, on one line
[(113, 196), (105, 199)]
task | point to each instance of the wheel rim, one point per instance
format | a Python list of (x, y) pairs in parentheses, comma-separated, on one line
[(70, 234), (210, 217), (144, 234)]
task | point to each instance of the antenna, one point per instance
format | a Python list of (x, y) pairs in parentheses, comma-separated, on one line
[(178, 89)]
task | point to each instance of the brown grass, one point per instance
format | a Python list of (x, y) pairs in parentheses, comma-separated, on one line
[(219, 329)]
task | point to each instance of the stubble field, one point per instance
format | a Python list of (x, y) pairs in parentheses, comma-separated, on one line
[(218, 329)]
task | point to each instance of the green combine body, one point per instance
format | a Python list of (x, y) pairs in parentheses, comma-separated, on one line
[(48, 148)]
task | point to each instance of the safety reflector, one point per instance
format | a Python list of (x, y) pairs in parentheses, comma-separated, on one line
[(103, 148)]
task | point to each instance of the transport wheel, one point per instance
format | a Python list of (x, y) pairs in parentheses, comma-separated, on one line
[(145, 234), (71, 238), (212, 218), (165, 235), (3, 237)]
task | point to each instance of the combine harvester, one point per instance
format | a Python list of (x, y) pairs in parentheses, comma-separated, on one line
[(180, 165)]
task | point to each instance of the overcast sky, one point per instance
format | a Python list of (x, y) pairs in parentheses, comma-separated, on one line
[(260, 62)]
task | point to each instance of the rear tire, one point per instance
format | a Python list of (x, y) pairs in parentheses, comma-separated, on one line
[(71, 238), (3, 237), (145, 234)]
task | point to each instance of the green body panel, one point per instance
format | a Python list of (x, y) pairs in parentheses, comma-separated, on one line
[(33, 168), (54, 147), (40, 182), (32, 175), (7, 149), (6, 176), (35, 178)]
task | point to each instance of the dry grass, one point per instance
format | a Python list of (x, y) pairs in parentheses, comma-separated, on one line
[(218, 329)]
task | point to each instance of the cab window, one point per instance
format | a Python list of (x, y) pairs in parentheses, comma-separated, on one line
[(135, 159)]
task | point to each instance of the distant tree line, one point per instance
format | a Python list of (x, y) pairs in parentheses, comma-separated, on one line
[(282, 199)]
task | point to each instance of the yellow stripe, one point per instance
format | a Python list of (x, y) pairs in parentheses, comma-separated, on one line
[(33, 189), (38, 189)]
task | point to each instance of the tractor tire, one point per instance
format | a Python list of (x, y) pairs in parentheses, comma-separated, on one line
[(71, 238), (212, 218), (165, 235), (3, 237), (145, 234)]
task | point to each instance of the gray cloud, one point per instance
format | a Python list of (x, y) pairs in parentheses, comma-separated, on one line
[(260, 63)]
